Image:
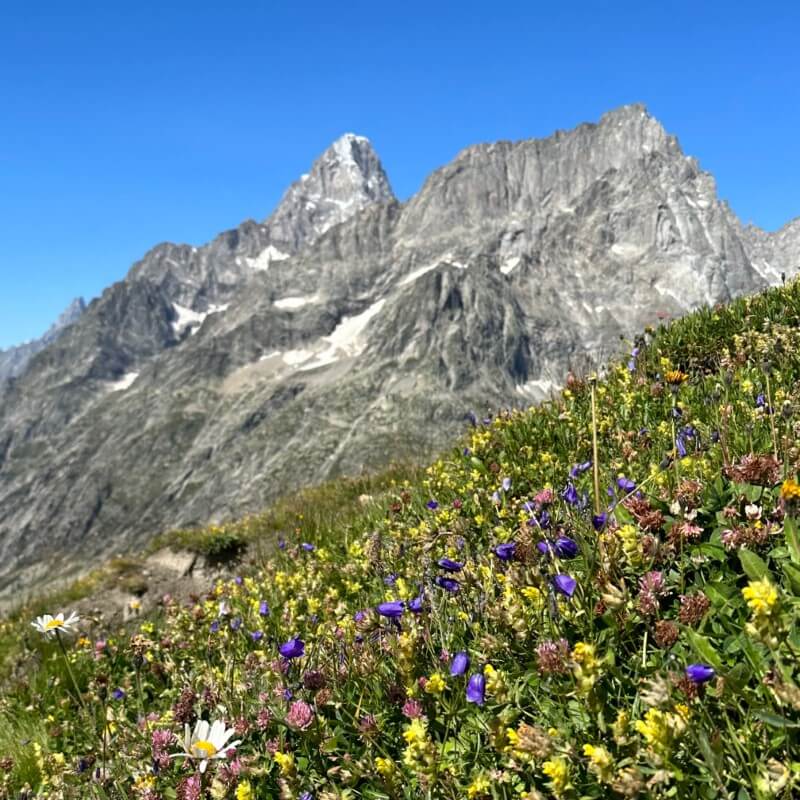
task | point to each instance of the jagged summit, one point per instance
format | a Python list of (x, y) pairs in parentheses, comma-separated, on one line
[(14, 360), (347, 177)]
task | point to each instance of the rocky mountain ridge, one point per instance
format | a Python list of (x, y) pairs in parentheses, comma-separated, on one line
[(213, 379), (14, 360)]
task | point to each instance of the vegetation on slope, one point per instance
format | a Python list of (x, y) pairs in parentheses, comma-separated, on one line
[(530, 620)]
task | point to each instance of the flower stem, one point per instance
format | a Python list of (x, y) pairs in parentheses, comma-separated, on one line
[(771, 415), (595, 465), (69, 670)]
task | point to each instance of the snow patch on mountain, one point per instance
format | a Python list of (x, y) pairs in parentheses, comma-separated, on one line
[(125, 382), (295, 302), (263, 260), (187, 319)]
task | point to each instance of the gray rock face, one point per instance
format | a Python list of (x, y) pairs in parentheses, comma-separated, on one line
[(14, 359), (774, 254), (213, 379)]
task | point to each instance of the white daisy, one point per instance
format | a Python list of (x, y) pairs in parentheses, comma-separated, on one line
[(207, 742), (49, 625)]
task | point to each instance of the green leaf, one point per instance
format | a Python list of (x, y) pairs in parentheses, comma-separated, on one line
[(705, 747), (718, 595), (792, 574), (704, 648), (792, 538), (737, 678), (713, 551), (753, 565), (774, 721)]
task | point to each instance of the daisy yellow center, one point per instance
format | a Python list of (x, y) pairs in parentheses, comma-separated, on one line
[(54, 623), (204, 749)]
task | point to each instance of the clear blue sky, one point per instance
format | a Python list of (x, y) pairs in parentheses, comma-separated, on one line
[(122, 125)]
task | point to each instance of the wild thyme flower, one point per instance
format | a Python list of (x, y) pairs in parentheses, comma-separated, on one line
[(413, 709), (300, 715), (552, 657), (693, 608)]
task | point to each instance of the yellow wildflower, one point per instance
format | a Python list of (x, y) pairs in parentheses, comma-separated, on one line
[(600, 761), (586, 666), (761, 596), (435, 684), (496, 683), (557, 769), (675, 377), (244, 791), (416, 732), (790, 491), (285, 761), (479, 787), (385, 767)]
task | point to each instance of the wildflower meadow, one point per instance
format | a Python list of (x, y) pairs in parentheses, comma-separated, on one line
[(597, 597)]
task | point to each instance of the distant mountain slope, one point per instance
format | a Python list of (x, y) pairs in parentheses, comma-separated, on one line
[(13, 360), (212, 379)]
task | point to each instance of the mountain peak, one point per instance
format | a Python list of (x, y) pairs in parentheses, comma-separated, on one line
[(346, 178), (70, 313)]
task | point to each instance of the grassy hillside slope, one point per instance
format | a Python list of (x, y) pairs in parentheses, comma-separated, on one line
[(563, 607)]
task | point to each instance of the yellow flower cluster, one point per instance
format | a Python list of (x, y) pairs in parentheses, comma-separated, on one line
[(790, 491), (557, 770), (479, 787), (435, 684), (600, 762), (285, 762), (496, 684), (244, 791), (660, 729), (420, 753), (385, 767), (761, 597), (586, 666)]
